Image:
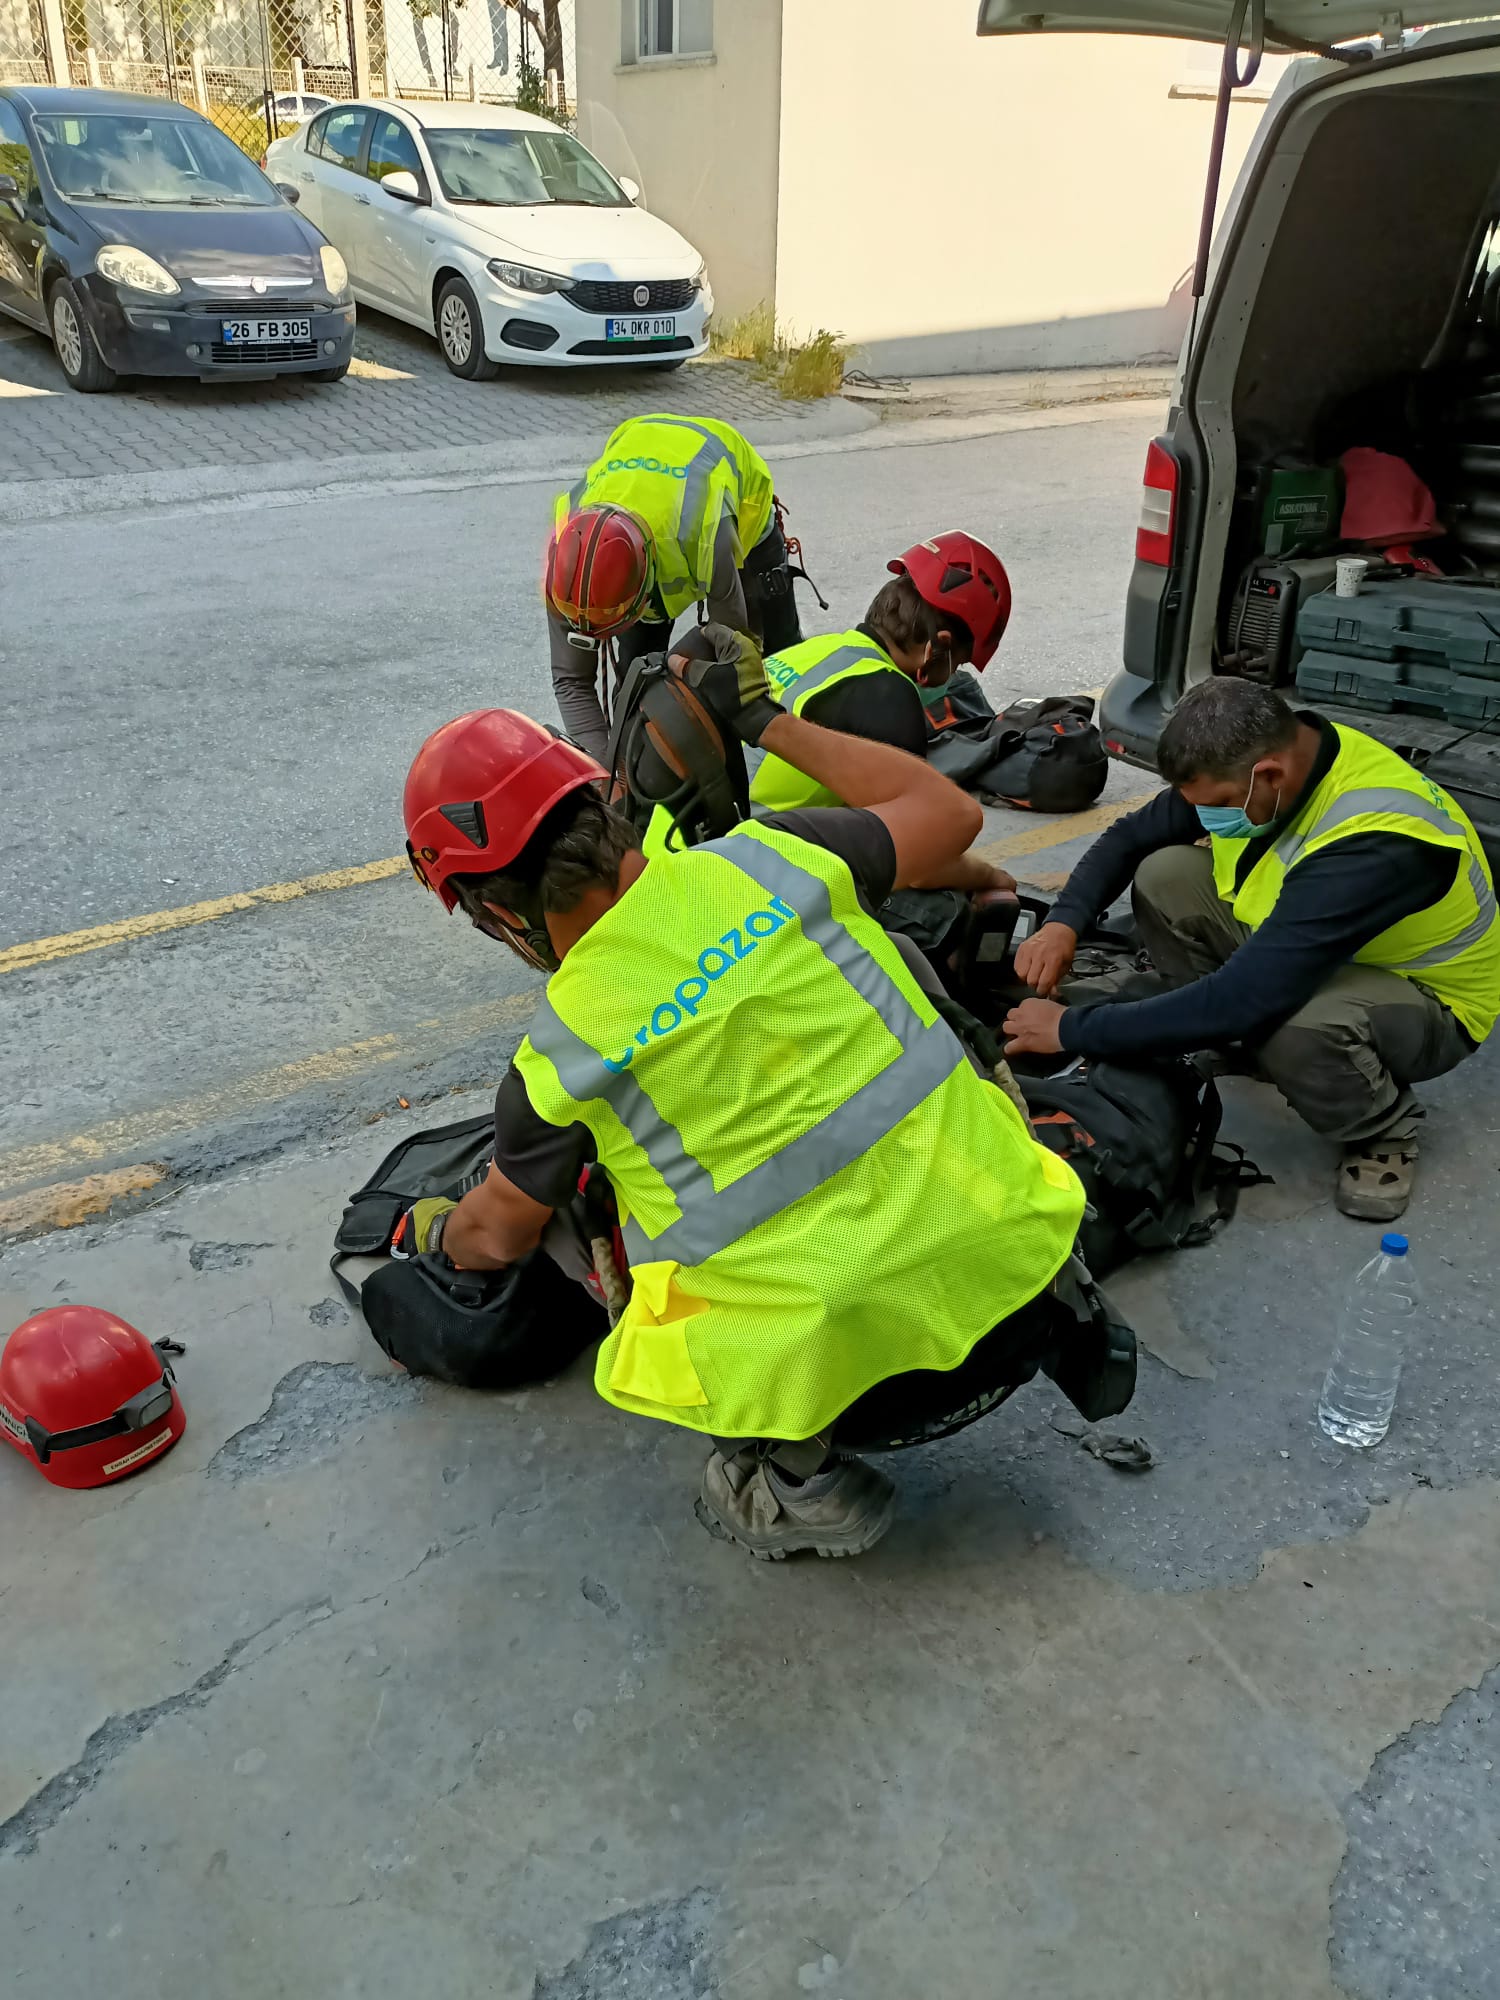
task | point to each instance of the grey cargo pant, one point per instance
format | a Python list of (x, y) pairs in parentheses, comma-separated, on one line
[(1346, 1061)]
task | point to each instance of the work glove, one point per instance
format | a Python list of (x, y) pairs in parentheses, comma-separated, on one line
[(421, 1227), (725, 670)]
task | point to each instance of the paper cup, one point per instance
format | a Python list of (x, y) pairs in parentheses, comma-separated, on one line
[(1349, 575)]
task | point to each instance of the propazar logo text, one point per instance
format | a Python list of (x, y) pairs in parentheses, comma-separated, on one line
[(713, 962)]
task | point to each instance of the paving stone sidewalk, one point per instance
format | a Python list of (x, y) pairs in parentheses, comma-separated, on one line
[(398, 397)]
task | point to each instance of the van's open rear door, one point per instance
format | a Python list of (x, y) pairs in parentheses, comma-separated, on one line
[(1290, 24)]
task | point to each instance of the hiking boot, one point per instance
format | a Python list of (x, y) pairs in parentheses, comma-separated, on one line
[(841, 1510), (1375, 1179)]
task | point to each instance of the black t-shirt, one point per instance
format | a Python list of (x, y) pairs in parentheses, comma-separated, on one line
[(545, 1161)]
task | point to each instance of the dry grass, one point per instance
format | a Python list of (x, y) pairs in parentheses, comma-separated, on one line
[(246, 125), (802, 370)]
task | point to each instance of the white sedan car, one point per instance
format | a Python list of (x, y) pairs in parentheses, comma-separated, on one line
[(499, 233)]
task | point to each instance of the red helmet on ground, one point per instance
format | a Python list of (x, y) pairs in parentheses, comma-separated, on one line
[(958, 576), (477, 791), (86, 1397), (601, 564)]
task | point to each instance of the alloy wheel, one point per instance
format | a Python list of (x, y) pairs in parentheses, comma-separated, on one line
[(457, 330), (68, 336)]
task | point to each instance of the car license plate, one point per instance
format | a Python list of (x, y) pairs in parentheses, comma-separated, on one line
[(639, 329), (237, 331)]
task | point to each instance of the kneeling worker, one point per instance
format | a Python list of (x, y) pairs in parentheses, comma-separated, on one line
[(676, 511), (946, 606), (1340, 923), (839, 1234)]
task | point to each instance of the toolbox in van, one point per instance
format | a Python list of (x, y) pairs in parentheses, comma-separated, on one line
[(1438, 622), (1379, 686)]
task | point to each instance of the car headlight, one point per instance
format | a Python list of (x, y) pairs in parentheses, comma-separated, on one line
[(124, 265), (521, 277), (700, 278), (335, 270)]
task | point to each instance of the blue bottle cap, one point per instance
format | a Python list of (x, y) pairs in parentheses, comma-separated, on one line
[(1394, 1246)]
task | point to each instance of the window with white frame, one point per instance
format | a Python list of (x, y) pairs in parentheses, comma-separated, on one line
[(664, 30)]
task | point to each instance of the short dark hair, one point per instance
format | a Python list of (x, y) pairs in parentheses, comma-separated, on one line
[(1220, 729), (578, 846), (902, 615)]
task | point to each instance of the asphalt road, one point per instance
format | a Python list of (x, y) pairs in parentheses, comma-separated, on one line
[(214, 701)]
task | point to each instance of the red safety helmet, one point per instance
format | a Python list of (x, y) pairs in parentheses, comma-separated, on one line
[(601, 564), (477, 791), (957, 575), (86, 1397)]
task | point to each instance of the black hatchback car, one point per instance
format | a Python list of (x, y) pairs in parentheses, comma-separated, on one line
[(146, 243)]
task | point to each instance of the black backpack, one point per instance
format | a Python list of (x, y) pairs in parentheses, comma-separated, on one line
[(1044, 754), (477, 1329), (1144, 1143)]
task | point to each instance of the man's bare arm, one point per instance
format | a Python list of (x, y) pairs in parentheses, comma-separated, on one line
[(494, 1225)]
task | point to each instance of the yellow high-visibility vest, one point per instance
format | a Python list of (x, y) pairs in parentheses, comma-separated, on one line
[(817, 1191), (795, 676), (1453, 946), (682, 475)]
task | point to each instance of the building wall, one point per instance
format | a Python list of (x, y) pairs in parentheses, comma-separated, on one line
[(953, 203), (700, 135)]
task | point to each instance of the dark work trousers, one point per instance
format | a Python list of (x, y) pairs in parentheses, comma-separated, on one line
[(929, 1403), (770, 597), (1346, 1061)]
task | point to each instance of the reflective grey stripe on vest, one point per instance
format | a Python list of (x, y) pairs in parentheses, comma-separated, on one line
[(701, 469), (1410, 805), (840, 659), (1472, 932), (583, 1075), (1351, 805), (712, 1219)]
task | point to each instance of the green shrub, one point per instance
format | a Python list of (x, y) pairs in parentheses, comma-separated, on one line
[(801, 370)]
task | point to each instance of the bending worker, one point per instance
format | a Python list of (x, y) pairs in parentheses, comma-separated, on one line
[(808, 1272), (1340, 923), (677, 511)]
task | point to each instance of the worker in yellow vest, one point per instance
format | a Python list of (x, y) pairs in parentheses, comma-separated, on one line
[(1339, 924), (675, 512), (839, 1234), (947, 605)]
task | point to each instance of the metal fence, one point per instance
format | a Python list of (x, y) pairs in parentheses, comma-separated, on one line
[(252, 65)]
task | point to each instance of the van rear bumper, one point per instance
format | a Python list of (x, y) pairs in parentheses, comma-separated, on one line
[(1131, 716)]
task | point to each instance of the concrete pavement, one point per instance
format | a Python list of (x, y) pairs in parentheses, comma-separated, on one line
[(373, 1684)]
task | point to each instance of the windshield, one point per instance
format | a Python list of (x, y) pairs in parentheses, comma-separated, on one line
[(132, 157), (520, 169)]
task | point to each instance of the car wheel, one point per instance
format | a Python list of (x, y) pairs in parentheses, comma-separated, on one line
[(460, 333), (328, 374), (77, 355)]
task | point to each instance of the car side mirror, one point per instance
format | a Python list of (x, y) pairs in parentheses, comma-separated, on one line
[(10, 190), (404, 186), (632, 188), (293, 195)]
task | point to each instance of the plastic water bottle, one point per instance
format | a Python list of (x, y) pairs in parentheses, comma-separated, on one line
[(1359, 1393)]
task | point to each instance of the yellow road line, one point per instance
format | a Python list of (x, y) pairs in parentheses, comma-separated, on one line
[(65, 1205), (136, 1135), (1056, 832), (43, 951), (68, 944)]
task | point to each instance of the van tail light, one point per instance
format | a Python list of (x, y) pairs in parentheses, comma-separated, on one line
[(1153, 538)]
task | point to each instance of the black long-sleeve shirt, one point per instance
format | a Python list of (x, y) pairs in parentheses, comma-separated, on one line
[(1330, 905)]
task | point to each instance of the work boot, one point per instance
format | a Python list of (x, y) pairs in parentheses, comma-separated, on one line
[(842, 1510), (1375, 1179)]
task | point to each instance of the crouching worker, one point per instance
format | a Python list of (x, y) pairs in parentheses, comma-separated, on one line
[(839, 1234), (1339, 923)]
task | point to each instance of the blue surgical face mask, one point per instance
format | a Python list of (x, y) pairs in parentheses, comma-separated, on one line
[(1234, 822)]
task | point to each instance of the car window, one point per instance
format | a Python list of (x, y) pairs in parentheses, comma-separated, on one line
[(517, 168), (341, 133), (392, 150), (311, 104), (15, 149), (141, 158)]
